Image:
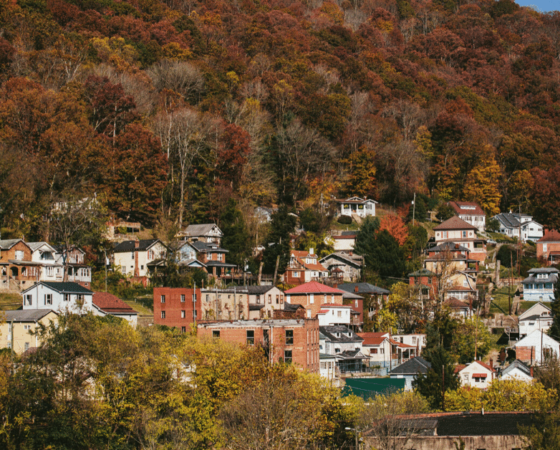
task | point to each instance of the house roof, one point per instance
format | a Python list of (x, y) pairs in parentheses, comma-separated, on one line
[(208, 247), (111, 304), (130, 246), (534, 339), (538, 305), (37, 245), (7, 244), (255, 307), (258, 290), (202, 229), (363, 288), (292, 306), (460, 367), (455, 223), (63, 287), (372, 338), (330, 333), (313, 287), (354, 260), (357, 200), (448, 247), (27, 315), (550, 236), (517, 364), (412, 367), (422, 273), (471, 208), (455, 303)]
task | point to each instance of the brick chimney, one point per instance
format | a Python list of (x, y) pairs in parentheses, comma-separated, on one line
[(356, 289), (335, 285), (531, 371), (136, 262), (136, 244)]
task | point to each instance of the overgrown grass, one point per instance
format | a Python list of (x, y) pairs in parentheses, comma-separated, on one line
[(10, 302), (139, 307)]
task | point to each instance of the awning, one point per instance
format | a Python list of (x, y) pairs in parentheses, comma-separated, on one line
[(479, 375)]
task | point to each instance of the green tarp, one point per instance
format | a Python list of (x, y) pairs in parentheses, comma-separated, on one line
[(370, 387)]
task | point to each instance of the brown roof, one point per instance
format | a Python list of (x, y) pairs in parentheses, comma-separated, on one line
[(455, 223), (111, 303), (461, 288), (550, 236), (477, 211), (455, 303)]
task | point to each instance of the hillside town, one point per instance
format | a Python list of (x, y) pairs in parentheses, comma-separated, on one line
[(320, 311)]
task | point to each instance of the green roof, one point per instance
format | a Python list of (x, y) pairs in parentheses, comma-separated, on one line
[(370, 387), (64, 287)]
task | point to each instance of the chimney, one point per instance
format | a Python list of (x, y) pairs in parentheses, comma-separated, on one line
[(311, 252), (136, 244), (335, 286), (492, 363), (531, 371), (356, 289)]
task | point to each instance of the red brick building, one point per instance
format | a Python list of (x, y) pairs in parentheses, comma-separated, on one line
[(312, 295), (548, 247), (177, 307), (426, 281), (290, 340), (304, 267)]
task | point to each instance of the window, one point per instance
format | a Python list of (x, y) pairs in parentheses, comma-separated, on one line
[(258, 299), (250, 337), (28, 300), (464, 234), (220, 256), (289, 337), (311, 298), (374, 351), (163, 299), (413, 340), (339, 314), (269, 299), (296, 274), (163, 314), (194, 314), (132, 255), (277, 299), (216, 334), (49, 271), (356, 303), (183, 329), (288, 356), (309, 314), (182, 298), (445, 235), (19, 255), (281, 299), (141, 267), (48, 299), (150, 255), (80, 297), (27, 327), (207, 297), (183, 314), (26, 346), (66, 297)]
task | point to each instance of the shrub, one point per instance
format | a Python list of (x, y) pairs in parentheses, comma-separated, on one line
[(345, 220)]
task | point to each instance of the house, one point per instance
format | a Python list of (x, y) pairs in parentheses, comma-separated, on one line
[(334, 315), (539, 285), (471, 213), (328, 368), (343, 241), (61, 297), (517, 371), (475, 430), (340, 341), (304, 267), (459, 309), (356, 303), (264, 300), (312, 296), (118, 229), (78, 270), (17, 269), (186, 256), (45, 257), (450, 255), (537, 317), (514, 225), (343, 266), (548, 247), (15, 332), (376, 297), (289, 340), (461, 286), (378, 347), (415, 340), (459, 232), (206, 232), (106, 304), (225, 304), (410, 370), (476, 374), (362, 207), (213, 257), (138, 259), (535, 347), (177, 307)]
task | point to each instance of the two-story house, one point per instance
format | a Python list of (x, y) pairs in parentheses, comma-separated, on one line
[(186, 256), (304, 267), (539, 285), (471, 213), (536, 347), (45, 256), (343, 266), (264, 300), (61, 297), (74, 260), (135, 258), (361, 207), (205, 232), (213, 257), (17, 269), (537, 317), (313, 295), (458, 231), (17, 331), (521, 226), (345, 345), (548, 247)]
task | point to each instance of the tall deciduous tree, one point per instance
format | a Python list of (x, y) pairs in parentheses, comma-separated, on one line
[(236, 237)]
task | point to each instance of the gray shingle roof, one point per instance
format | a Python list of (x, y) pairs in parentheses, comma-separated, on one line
[(6, 244), (363, 288), (412, 367), (519, 365), (130, 246), (330, 332), (64, 287), (201, 229), (508, 220), (258, 290), (204, 247), (35, 245), (27, 315), (448, 247)]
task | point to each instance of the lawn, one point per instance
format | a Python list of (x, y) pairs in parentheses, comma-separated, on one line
[(10, 301), (500, 297), (139, 308)]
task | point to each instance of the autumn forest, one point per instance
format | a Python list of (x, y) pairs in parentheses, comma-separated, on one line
[(167, 109)]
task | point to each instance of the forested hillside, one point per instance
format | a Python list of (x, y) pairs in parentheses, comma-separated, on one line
[(165, 109)]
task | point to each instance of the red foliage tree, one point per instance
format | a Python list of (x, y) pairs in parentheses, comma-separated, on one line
[(232, 154), (395, 227)]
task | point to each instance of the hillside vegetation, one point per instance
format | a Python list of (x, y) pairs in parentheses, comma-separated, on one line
[(166, 109)]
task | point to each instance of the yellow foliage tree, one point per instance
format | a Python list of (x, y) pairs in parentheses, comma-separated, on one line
[(482, 185)]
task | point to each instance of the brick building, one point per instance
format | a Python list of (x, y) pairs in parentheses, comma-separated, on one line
[(177, 307), (225, 304), (312, 295), (304, 267), (548, 247), (458, 231), (291, 340), (17, 268)]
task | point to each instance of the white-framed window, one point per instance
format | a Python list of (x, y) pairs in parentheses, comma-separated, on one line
[(162, 299), (49, 271), (19, 255), (48, 299), (132, 255), (183, 314), (296, 274), (544, 247), (163, 314), (26, 346), (28, 300), (356, 303), (66, 297), (182, 298), (311, 298), (220, 256), (27, 327), (309, 314)]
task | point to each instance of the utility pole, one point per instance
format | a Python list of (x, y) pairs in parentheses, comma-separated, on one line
[(542, 350), (276, 270), (105, 252), (443, 387), (194, 303), (413, 209)]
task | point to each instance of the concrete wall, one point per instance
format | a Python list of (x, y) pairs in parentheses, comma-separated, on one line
[(448, 443)]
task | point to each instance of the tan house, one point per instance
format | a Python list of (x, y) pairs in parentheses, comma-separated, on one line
[(458, 231), (139, 258), (204, 232), (224, 304), (264, 300), (15, 333)]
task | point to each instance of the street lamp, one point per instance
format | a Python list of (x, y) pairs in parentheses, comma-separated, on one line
[(356, 433)]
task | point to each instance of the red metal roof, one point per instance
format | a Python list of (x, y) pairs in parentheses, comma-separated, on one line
[(479, 375), (475, 212), (455, 223), (459, 367), (334, 305), (111, 303), (313, 287), (550, 236), (373, 340)]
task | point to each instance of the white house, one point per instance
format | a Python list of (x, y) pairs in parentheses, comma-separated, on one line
[(539, 285), (537, 317), (328, 367), (340, 341), (263, 300), (78, 271), (410, 371), (105, 304), (45, 256), (355, 205), (344, 266), (332, 314), (377, 345), (58, 296), (471, 213), (512, 224), (342, 241), (476, 374), (535, 347), (135, 258), (204, 232), (517, 371), (413, 340)]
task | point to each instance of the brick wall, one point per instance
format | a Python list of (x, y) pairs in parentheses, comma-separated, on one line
[(550, 247), (305, 347), (173, 307), (318, 300), (297, 314), (294, 281), (525, 353)]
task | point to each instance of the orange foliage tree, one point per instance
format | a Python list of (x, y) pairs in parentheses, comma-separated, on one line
[(395, 227)]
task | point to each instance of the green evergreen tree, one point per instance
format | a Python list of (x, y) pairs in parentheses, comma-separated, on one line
[(554, 330), (236, 236), (420, 213), (278, 242), (440, 377)]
